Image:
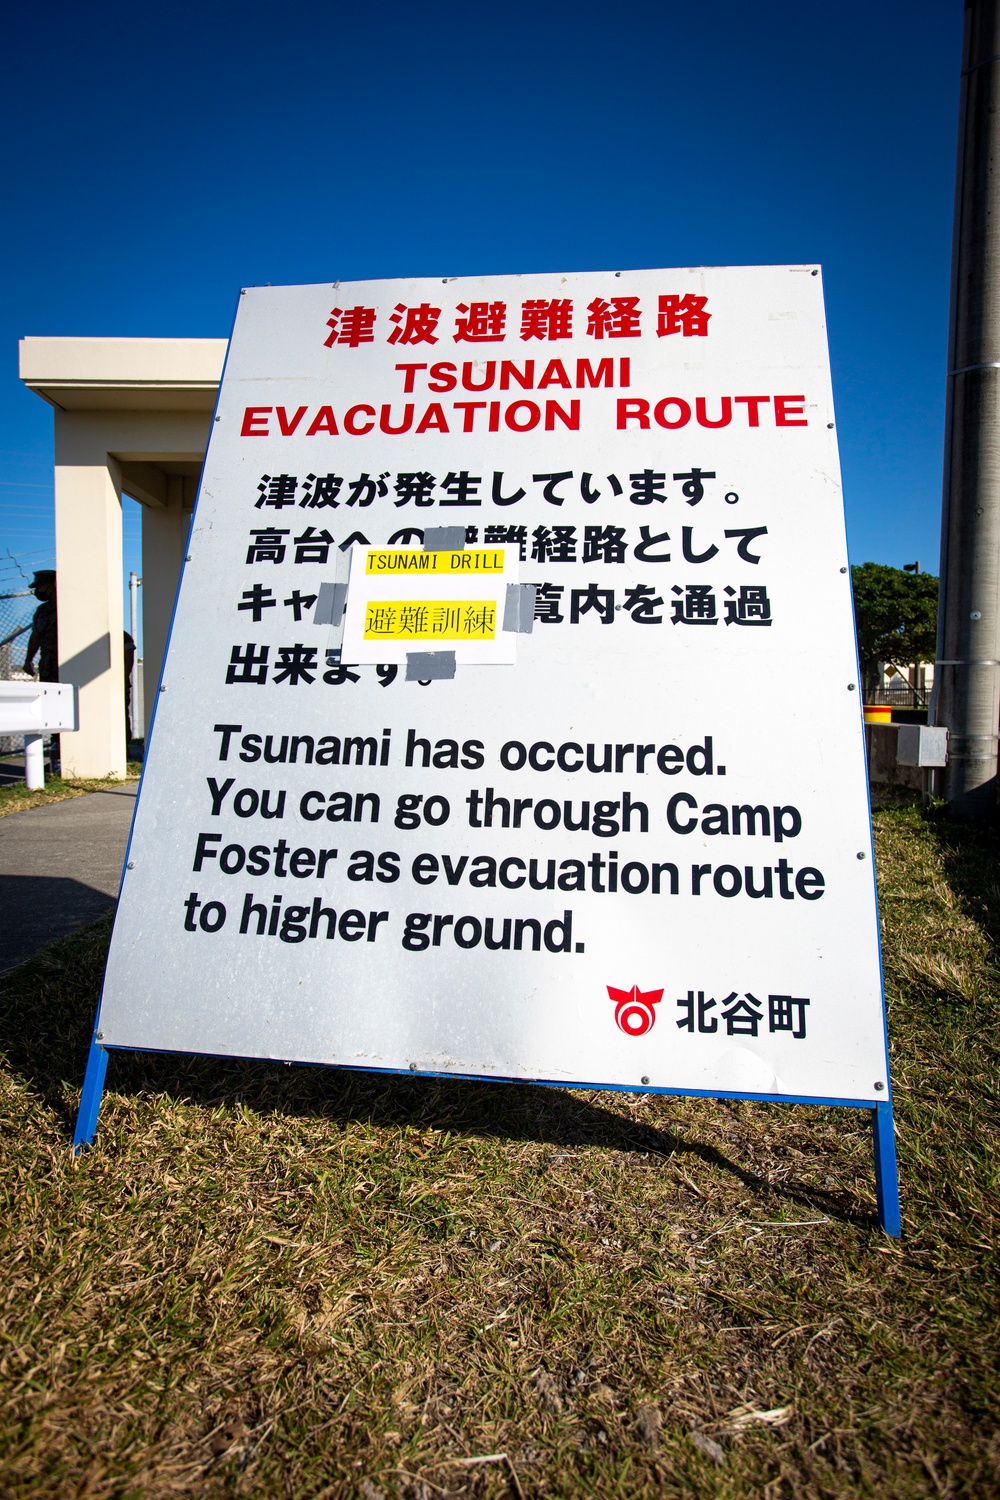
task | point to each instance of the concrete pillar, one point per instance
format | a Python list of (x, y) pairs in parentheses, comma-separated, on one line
[(89, 583), (967, 686), (164, 538)]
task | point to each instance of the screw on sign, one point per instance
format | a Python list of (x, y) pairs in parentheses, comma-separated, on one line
[(634, 1013)]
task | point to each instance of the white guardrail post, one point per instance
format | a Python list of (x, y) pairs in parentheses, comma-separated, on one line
[(34, 761), (36, 709)]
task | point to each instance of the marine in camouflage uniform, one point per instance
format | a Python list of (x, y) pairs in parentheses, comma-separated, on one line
[(43, 640)]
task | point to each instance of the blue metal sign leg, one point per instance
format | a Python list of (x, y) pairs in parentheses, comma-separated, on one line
[(90, 1098), (886, 1177)]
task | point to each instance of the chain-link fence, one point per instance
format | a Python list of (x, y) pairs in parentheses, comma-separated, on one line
[(16, 611)]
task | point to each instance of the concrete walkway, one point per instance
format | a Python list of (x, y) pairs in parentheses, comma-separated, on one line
[(60, 868)]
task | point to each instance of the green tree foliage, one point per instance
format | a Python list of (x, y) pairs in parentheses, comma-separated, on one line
[(896, 617)]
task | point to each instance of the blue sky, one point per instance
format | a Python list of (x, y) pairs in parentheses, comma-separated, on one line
[(158, 158)]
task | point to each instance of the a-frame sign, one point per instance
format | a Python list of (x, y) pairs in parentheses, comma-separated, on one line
[(510, 724)]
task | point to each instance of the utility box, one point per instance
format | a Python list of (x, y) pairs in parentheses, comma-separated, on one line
[(920, 745)]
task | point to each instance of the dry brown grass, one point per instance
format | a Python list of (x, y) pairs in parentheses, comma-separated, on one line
[(15, 796), (283, 1282)]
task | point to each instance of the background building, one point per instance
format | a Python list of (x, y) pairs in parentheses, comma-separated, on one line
[(131, 416)]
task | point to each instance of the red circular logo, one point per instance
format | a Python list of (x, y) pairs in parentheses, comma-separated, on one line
[(634, 1013)]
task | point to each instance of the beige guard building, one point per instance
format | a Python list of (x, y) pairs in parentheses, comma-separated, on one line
[(132, 416)]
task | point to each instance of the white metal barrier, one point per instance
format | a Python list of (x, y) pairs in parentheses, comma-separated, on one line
[(36, 709)]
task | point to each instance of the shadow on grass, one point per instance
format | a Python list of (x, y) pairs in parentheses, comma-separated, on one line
[(46, 1017), (971, 856)]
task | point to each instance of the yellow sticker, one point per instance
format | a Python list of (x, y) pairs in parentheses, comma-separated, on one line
[(439, 564), (430, 619)]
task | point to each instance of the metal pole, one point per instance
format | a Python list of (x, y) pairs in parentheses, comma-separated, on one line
[(967, 675), (133, 598)]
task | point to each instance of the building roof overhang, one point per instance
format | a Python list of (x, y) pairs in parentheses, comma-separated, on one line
[(107, 374)]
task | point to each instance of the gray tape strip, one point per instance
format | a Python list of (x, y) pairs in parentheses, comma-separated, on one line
[(444, 539), (330, 604), (422, 666), (519, 608)]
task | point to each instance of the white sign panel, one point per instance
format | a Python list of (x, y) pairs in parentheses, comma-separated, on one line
[(589, 807)]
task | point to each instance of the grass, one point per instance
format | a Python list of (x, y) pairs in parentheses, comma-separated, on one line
[(16, 797), (282, 1282)]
